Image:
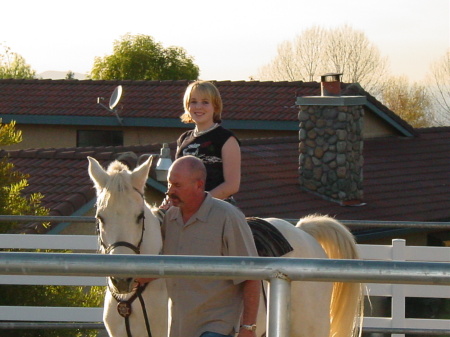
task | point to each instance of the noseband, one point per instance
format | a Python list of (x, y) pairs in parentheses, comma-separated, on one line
[(135, 249)]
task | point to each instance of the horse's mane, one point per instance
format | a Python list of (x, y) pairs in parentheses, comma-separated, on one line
[(119, 182)]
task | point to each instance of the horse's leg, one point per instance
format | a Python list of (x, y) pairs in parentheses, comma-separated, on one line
[(310, 309), (156, 299), (310, 302), (114, 323)]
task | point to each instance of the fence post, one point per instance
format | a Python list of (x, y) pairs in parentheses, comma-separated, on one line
[(398, 296), (279, 308)]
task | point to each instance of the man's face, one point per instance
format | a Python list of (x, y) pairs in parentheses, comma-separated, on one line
[(181, 187)]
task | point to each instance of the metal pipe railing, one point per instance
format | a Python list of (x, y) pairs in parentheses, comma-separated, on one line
[(278, 271), (314, 269), (403, 272), (350, 223)]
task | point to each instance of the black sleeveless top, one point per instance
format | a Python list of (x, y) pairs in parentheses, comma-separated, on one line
[(208, 148)]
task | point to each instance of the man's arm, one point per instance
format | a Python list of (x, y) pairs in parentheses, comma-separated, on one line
[(252, 291)]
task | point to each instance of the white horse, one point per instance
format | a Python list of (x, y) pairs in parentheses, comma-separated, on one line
[(126, 225), (318, 309)]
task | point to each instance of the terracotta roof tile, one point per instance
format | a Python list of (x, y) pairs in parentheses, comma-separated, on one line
[(61, 174), (405, 179), (261, 101)]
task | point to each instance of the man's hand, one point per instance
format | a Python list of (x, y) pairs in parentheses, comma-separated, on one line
[(143, 280), (246, 333)]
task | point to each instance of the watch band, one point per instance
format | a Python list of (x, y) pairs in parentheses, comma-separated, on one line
[(250, 327)]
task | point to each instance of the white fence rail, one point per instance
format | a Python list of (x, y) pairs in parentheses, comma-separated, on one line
[(398, 251), (74, 243)]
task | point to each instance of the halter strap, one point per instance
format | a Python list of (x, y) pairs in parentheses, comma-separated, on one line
[(135, 249)]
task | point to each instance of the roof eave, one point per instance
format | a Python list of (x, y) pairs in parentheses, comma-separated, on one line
[(145, 122)]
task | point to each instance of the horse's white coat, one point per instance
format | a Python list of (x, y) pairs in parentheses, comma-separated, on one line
[(119, 205), (314, 237)]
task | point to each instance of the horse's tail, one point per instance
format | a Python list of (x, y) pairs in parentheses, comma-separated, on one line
[(346, 308)]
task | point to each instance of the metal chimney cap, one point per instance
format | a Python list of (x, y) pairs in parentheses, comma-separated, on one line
[(331, 77)]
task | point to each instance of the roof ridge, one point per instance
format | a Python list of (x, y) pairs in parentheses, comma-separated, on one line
[(184, 82)]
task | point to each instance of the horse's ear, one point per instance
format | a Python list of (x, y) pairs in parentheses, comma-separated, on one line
[(97, 173), (140, 174)]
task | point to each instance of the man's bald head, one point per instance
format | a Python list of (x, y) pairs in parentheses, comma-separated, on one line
[(190, 166), (186, 183)]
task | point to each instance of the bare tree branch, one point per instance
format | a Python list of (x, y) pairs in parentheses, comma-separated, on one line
[(317, 51), (439, 86)]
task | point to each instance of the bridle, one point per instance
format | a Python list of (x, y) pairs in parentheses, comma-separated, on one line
[(136, 249), (107, 249), (124, 306)]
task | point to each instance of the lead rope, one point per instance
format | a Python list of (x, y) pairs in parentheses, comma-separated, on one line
[(144, 311)]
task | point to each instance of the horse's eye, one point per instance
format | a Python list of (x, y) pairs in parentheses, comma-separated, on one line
[(140, 217)]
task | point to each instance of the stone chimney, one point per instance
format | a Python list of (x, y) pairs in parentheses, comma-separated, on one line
[(331, 143)]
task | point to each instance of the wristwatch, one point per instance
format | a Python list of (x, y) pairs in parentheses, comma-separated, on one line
[(250, 327)]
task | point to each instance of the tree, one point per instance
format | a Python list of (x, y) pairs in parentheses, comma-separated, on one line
[(12, 183), (70, 75), (411, 102), (439, 85), (318, 51), (297, 60), (139, 57), (12, 202), (12, 65)]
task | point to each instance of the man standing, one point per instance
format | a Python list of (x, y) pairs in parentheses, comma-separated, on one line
[(199, 224)]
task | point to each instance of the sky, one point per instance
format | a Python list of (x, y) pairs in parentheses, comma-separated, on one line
[(229, 40)]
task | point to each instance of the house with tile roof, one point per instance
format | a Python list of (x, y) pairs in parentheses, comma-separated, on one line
[(70, 113), (405, 170)]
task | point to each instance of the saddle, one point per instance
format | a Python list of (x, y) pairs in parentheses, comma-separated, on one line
[(269, 241)]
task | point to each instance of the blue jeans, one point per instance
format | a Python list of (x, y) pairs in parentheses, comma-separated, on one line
[(213, 334)]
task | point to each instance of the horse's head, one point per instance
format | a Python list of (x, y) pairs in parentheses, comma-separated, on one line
[(121, 211)]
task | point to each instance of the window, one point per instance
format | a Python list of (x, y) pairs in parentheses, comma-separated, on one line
[(99, 138)]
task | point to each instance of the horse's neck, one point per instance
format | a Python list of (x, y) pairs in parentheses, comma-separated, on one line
[(152, 243)]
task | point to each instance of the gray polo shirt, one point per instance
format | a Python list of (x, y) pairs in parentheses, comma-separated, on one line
[(217, 229)]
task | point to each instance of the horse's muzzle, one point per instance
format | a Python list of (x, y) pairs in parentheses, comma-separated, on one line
[(122, 285)]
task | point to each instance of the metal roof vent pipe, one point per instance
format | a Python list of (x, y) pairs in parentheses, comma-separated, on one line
[(164, 163), (330, 84)]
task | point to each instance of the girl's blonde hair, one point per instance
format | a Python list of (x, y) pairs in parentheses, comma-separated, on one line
[(206, 88)]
